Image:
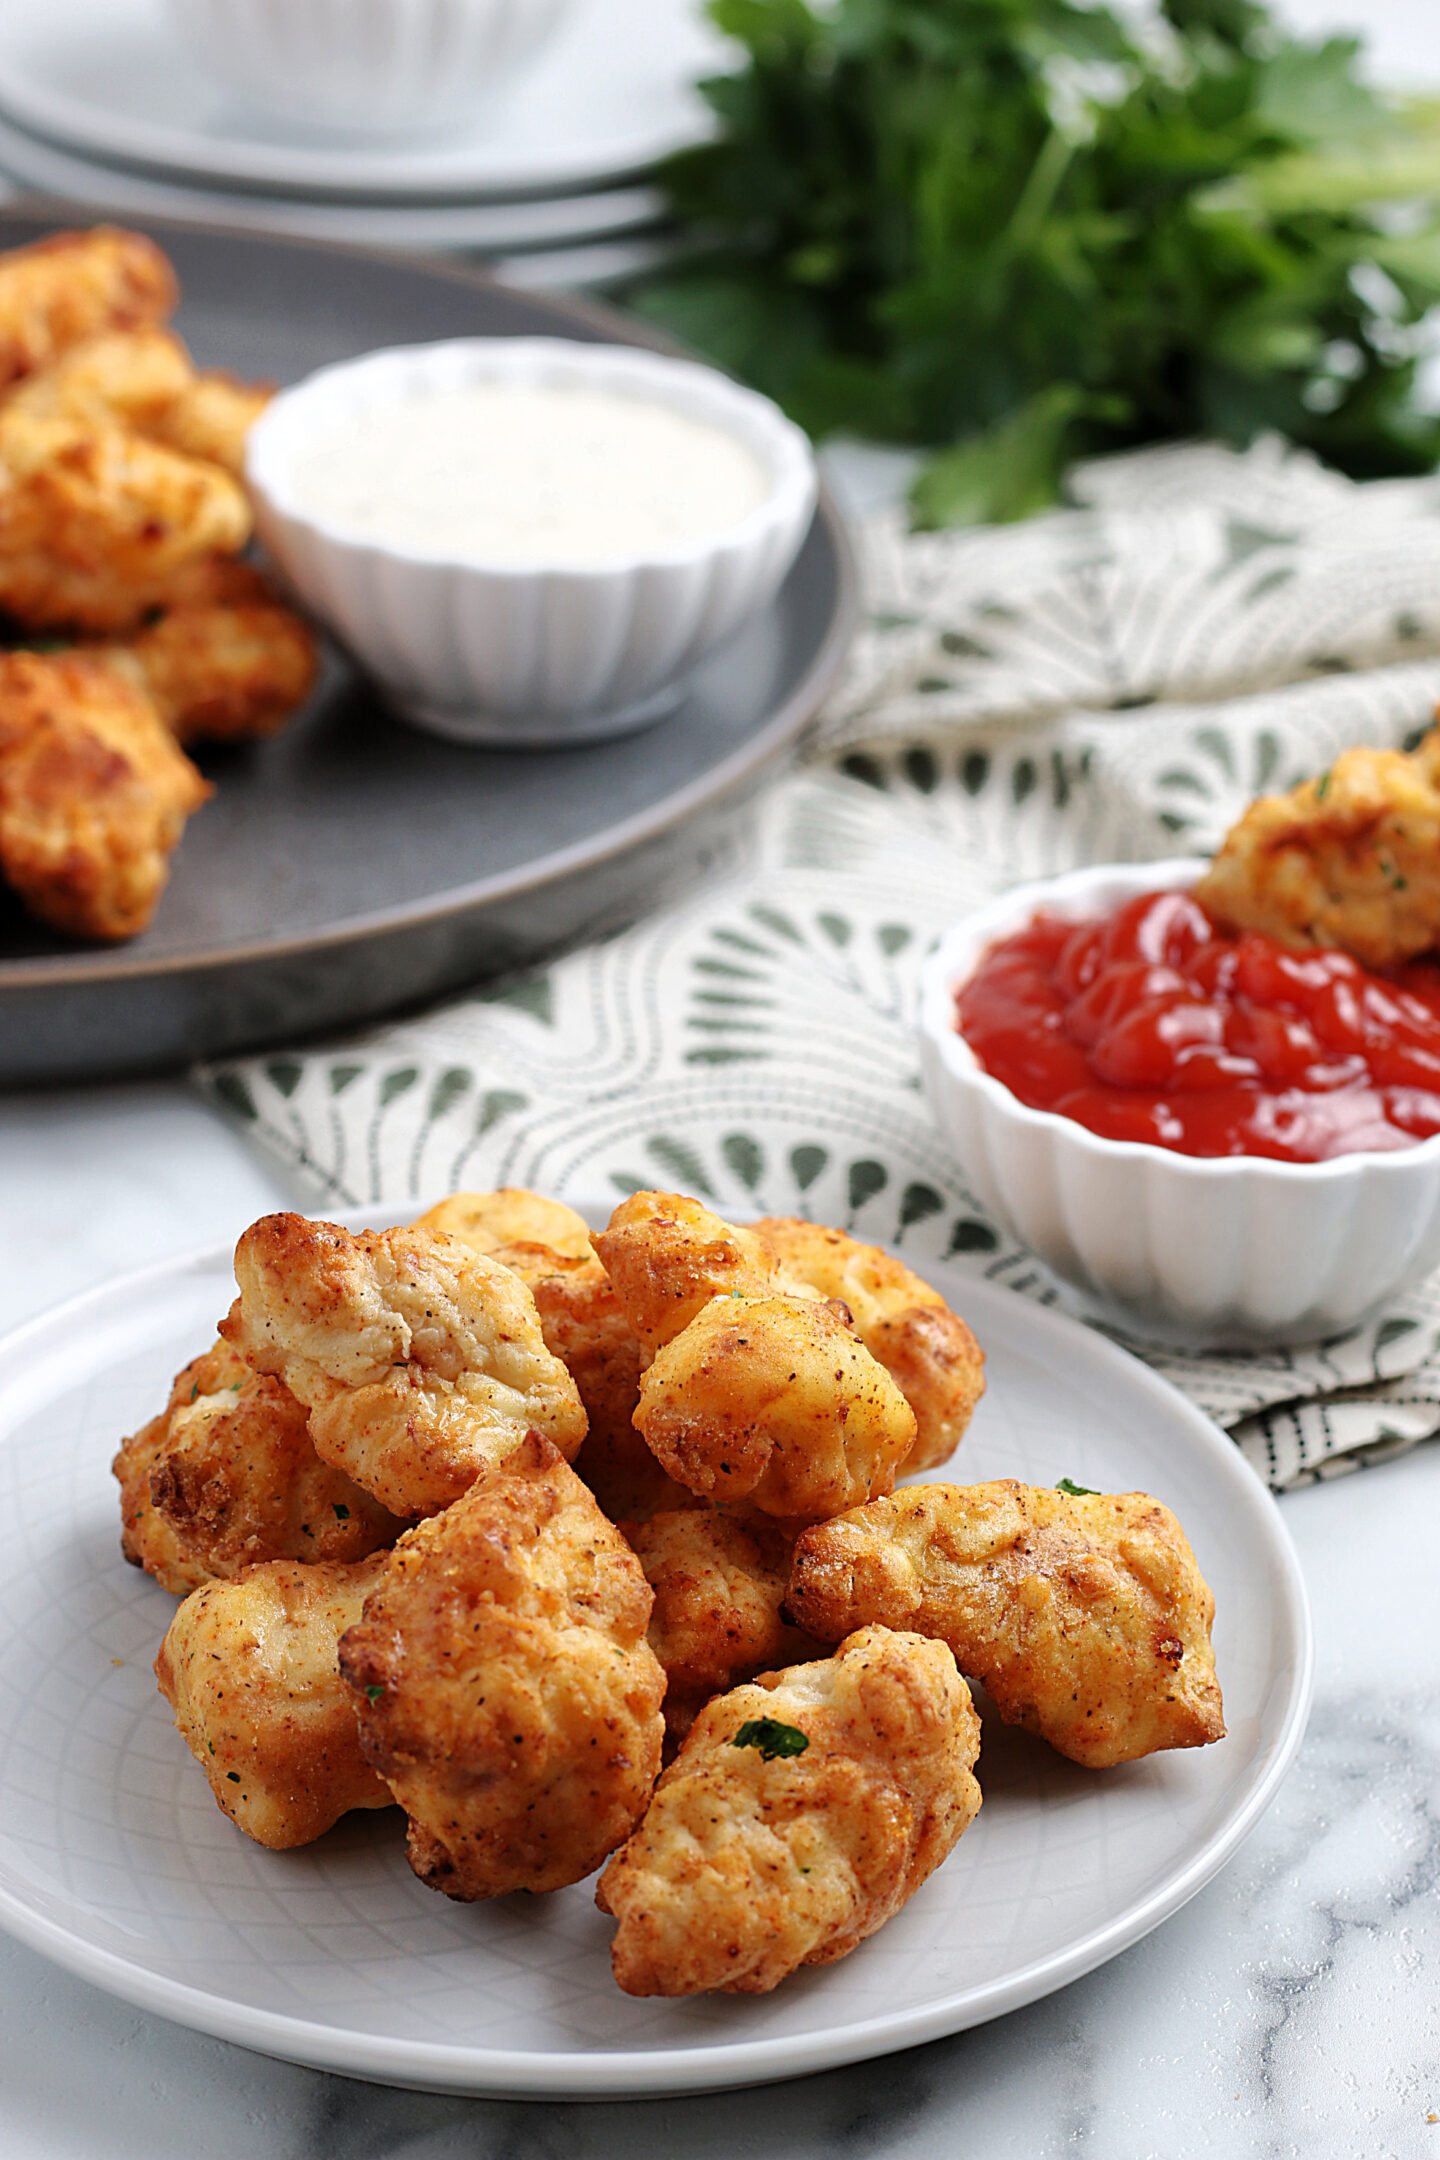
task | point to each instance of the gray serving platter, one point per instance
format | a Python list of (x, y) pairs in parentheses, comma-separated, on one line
[(352, 867)]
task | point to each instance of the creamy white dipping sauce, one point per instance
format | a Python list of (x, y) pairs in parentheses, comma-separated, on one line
[(510, 473)]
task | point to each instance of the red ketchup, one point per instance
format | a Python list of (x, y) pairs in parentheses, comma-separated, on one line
[(1152, 1024)]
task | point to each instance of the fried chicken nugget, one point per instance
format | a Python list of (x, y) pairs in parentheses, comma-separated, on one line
[(122, 377), (210, 417), (146, 1539), (217, 581), (421, 1362), (223, 672), (76, 285), (249, 1668), (719, 1587), (145, 379), (96, 522), (1351, 859), (504, 1686), (238, 1481), (800, 1815), (667, 1256), (593, 1340), (226, 1476), (1086, 1617), (548, 1245), (773, 1404), (526, 1231), (925, 1347), (94, 795)]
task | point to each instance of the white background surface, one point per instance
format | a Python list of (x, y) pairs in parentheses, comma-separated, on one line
[(1291, 2010)]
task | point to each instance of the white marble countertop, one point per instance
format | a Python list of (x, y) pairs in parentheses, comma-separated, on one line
[(1292, 2009)]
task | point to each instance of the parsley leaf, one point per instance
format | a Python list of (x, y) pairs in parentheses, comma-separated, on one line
[(1076, 1492), (375, 1690), (771, 1738), (1019, 231), (342, 1513)]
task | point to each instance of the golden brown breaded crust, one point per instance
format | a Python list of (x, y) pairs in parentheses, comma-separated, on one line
[(625, 1477), (145, 379), (590, 1335), (76, 285), (238, 1480), (529, 1233), (745, 1869), (146, 1539), (548, 1246), (217, 581), (210, 418), (122, 377), (249, 1668), (719, 1587), (901, 1320), (1351, 859), (939, 1368), (223, 672), (774, 1405), (667, 1256), (1087, 1618), (226, 1476), (96, 522), (94, 795), (422, 1363), (504, 1685)]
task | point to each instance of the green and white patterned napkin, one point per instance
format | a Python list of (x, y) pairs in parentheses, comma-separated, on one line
[(1111, 682)]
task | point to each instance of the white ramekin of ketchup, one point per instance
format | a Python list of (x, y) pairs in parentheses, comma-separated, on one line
[(1215, 1138)]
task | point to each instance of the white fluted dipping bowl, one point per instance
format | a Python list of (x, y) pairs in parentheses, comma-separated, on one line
[(1234, 1251), (537, 653), (371, 67)]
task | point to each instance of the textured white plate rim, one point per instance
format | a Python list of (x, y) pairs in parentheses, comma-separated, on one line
[(390, 174), (634, 2073), (553, 222), (592, 269)]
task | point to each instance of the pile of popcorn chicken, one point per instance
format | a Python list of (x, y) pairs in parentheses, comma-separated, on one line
[(131, 627), (588, 1550)]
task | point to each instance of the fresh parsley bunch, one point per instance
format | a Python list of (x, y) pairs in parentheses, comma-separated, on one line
[(1023, 230)]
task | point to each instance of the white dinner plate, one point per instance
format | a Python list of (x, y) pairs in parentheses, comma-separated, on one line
[(485, 228), (598, 268), (115, 1861), (608, 96)]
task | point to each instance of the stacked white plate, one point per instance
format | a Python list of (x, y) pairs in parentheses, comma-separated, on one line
[(102, 104)]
